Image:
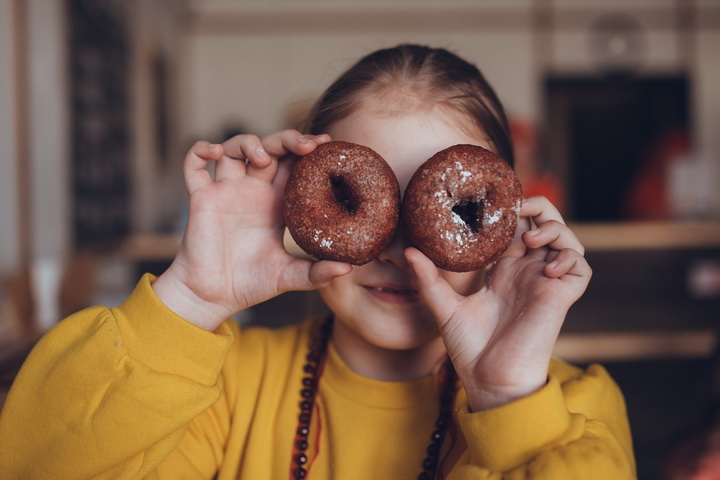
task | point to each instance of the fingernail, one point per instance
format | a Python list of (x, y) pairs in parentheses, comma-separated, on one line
[(261, 151), (553, 264), (303, 139), (533, 232)]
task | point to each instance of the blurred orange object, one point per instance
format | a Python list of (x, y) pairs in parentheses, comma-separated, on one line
[(647, 195), (535, 180), (697, 458), (547, 186)]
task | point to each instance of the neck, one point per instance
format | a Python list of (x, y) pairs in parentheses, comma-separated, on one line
[(386, 364)]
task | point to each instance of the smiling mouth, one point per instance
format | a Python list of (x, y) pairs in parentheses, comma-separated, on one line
[(395, 295), (397, 291)]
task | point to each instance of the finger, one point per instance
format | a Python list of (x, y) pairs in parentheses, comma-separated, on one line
[(324, 271), (246, 147), (229, 168), (541, 210), (553, 234), (310, 275), (250, 152), (287, 146), (284, 169), (542, 254), (249, 148), (279, 145), (195, 165), (517, 247), (567, 262), (437, 293), (287, 142)]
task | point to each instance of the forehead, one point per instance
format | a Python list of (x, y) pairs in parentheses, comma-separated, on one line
[(405, 139)]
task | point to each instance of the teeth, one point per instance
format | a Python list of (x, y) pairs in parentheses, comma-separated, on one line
[(390, 290)]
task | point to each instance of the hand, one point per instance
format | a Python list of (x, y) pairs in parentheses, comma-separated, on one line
[(232, 254), (501, 338)]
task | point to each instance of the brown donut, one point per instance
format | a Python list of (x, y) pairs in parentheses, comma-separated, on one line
[(461, 207), (342, 202)]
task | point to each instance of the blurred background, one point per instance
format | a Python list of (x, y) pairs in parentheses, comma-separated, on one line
[(615, 112)]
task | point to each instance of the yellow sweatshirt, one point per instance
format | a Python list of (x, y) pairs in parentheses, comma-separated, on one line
[(138, 392)]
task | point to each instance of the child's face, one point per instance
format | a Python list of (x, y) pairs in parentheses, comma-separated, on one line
[(378, 301)]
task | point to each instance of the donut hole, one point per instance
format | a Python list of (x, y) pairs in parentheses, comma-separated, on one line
[(470, 211), (344, 194)]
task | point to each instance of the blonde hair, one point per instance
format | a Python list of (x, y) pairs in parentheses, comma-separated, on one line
[(430, 76)]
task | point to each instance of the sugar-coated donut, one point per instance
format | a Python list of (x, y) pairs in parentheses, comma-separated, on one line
[(461, 207), (342, 202)]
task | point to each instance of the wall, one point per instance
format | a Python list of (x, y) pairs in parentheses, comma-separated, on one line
[(157, 35), (39, 40), (9, 221), (49, 134), (707, 94), (254, 64), (35, 118)]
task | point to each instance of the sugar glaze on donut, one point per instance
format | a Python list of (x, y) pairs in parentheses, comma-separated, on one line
[(461, 207), (342, 202)]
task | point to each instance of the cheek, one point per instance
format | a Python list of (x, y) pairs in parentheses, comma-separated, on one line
[(337, 292), (465, 283)]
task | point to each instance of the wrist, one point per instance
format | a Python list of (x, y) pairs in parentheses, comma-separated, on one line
[(484, 398), (184, 302)]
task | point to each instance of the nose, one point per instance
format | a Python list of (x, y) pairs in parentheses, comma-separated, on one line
[(394, 253)]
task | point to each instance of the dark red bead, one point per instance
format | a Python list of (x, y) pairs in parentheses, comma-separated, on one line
[(433, 449), (313, 367)]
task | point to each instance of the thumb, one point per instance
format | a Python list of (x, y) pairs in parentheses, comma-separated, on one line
[(311, 275), (437, 293)]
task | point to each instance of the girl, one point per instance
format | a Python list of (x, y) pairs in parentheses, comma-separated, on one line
[(164, 387)]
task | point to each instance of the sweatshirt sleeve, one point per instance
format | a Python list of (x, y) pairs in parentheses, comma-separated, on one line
[(109, 393), (574, 427)]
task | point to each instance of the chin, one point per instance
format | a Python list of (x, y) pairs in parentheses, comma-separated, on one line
[(395, 333), (380, 317)]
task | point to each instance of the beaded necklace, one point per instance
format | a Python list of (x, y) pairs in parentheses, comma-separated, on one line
[(313, 370)]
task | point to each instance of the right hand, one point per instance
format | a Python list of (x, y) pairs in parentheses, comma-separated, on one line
[(232, 255)]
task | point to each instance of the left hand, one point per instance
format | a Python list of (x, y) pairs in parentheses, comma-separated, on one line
[(500, 339)]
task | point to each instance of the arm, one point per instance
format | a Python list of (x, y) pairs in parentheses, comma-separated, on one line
[(501, 339), (232, 256), (94, 395), (111, 392), (573, 427)]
